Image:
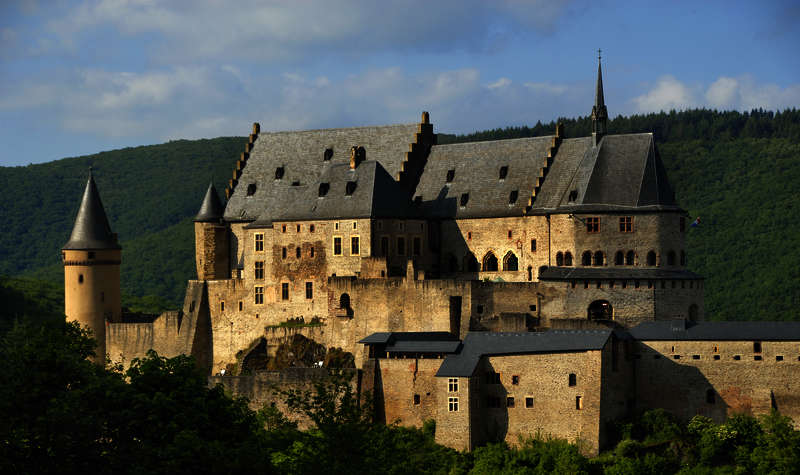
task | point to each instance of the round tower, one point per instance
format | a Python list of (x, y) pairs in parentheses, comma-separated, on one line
[(91, 270), (211, 238)]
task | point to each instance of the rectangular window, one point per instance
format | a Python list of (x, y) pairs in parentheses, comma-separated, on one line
[(529, 402), (240, 305), (336, 226), (259, 270), (510, 401), (592, 225), (452, 404), (416, 399), (222, 306), (285, 291), (401, 246), (533, 245), (384, 246), (626, 224), (259, 242), (510, 234), (309, 290), (354, 251), (573, 380), (452, 385), (355, 224), (337, 246), (515, 379), (259, 295), (578, 403), (283, 228), (417, 246)]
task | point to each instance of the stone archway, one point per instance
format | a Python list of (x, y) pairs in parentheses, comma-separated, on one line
[(600, 310)]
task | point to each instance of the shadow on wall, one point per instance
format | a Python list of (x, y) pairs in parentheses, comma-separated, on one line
[(494, 398)]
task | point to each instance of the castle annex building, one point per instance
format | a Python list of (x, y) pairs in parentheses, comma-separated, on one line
[(500, 288)]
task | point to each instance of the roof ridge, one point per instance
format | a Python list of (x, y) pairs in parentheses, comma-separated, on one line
[(331, 129)]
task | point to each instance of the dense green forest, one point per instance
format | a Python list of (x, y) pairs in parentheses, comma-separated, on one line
[(737, 171), (60, 413)]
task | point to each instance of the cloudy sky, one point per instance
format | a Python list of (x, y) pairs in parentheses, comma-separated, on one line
[(79, 77)]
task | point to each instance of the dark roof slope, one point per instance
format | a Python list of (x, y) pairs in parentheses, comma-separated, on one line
[(414, 342), (372, 194), (300, 155), (624, 171), (478, 344), (477, 171), (686, 330), (91, 229), (211, 209), (617, 272)]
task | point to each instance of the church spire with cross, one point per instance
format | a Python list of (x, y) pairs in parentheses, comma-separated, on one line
[(599, 111)]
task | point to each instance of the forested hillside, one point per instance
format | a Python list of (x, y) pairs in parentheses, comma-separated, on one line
[(738, 171)]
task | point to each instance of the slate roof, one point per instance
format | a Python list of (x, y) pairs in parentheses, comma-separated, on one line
[(720, 331), (211, 209), (91, 229), (301, 156), (476, 169), (623, 172), (478, 344), (414, 342), (615, 272), (374, 194)]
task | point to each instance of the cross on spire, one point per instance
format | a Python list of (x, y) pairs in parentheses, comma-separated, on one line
[(599, 54)]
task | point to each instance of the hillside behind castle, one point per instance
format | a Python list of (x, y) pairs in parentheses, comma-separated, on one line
[(738, 172)]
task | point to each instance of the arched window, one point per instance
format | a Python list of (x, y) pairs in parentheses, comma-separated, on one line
[(600, 310), (619, 258), (683, 258), (671, 258), (470, 262), (510, 262), (629, 257), (598, 258), (586, 258), (651, 258), (344, 301), (693, 312), (489, 262), (567, 258), (560, 259)]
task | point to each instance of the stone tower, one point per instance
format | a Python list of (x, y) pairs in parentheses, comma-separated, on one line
[(91, 270), (599, 111), (211, 238)]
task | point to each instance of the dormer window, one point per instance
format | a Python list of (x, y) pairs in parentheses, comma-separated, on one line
[(450, 175), (503, 172), (350, 188), (328, 154), (251, 189), (573, 195), (512, 197), (279, 173), (464, 199), (323, 189)]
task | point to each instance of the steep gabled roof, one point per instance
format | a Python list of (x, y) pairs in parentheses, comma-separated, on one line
[(91, 229), (478, 344), (211, 209), (476, 169), (301, 157), (616, 272)]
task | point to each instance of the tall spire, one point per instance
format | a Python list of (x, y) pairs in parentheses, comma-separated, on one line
[(599, 111), (91, 229)]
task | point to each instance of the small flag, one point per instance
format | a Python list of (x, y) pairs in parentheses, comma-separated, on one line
[(696, 222)]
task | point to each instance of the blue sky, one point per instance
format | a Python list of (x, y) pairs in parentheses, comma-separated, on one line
[(79, 77)]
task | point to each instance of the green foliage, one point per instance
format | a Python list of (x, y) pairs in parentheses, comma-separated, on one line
[(536, 455)]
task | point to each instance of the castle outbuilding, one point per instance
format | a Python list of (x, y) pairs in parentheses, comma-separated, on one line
[(440, 266)]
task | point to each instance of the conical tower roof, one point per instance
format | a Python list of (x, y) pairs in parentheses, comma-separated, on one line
[(211, 209), (91, 229)]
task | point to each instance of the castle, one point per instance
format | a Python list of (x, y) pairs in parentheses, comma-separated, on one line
[(500, 288)]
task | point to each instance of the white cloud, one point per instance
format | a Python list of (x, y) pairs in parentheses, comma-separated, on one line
[(722, 93), (668, 93), (500, 83)]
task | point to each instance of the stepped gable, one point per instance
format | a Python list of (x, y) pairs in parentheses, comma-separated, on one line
[(716, 331), (211, 210), (478, 344), (622, 172), (366, 191), (476, 170), (91, 229), (302, 157)]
